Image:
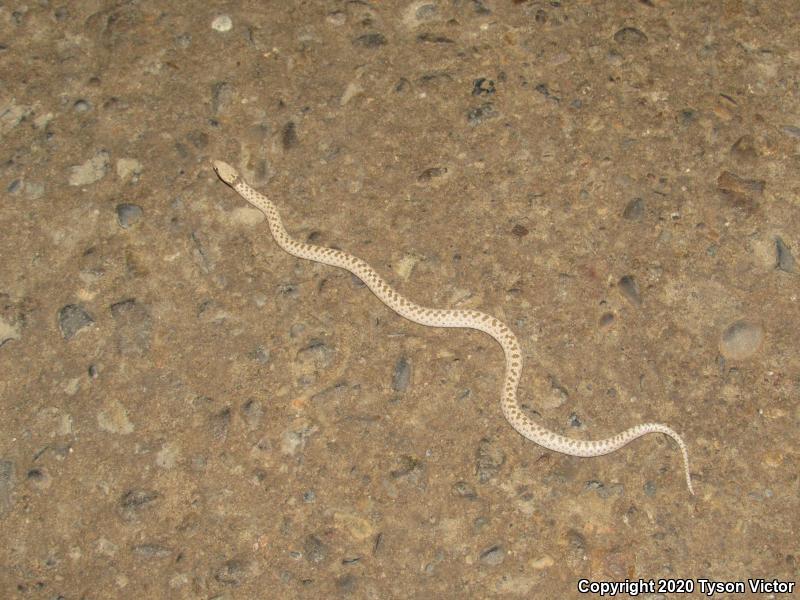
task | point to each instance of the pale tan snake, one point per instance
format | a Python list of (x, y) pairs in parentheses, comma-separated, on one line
[(433, 317)]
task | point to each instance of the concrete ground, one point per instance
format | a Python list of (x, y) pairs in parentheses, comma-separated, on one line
[(186, 411)]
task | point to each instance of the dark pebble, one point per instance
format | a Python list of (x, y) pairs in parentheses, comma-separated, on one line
[(431, 173), (253, 413), (606, 319), (371, 40), (630, 36), (128, 214), (519, 231), (71, 319), (481, 113), (432, 38), (289, 136), (630, 289), (784, 259), (483, 87), (219, 423)]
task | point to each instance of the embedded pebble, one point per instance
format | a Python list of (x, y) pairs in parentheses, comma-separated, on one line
[(634, 210), (72, 318), (630, 36), (91, 171), (314, 550), (8, 331), (232, 572), (488, 460), (493, 556), (132, 327), (82, 106), (222, 23), (128, 214), (741, 340), (630, 289), (6, 485), (784, 259), (402, 375), (431, 173), (371, 40), (128, 168), (462, 489), (482, 113)]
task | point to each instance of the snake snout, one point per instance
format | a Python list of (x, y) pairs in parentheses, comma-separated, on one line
[(225, 172)]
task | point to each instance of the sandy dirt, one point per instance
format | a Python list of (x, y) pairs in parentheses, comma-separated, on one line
[(186, 411)]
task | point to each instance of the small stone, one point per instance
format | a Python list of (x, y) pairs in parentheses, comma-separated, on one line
[(630, 36), (6, 485), (741, 340), (519, 231), (91, 171), (222, 23), (431, 173), (402, 375), (630, 289), (634, 210), (784, 259), (82, 106), (128, 168), (72, 318), (744, 148), (493, 556), (8, 331), (314, 550), (371, 40), (462, 489), (289, 136), (488, 460), (482, 113), (128, 214), (232, 572), (483, 87)]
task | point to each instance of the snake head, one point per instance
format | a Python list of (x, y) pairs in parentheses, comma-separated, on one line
[(226, 172)]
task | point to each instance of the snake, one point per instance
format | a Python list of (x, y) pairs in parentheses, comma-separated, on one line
[(456, 318)]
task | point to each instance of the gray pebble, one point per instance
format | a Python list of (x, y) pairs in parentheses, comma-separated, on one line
[(151, 551), (82, 106), (784, 259), (634, 210), (462, 489), (493, 556), (741, 340), (6, 485), (630, 36), (650, 488), (488, 460), (630, 289), (260, 354), (128, 214), (314, 550), (71, 319), (370, 40), (402, 375), (253, 413), (232, 572), (482, 113), (133, 503)]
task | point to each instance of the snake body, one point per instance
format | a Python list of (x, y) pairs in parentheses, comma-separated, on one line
[(433, 317)]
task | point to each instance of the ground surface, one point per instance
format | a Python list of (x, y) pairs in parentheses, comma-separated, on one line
[(186, 411)]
